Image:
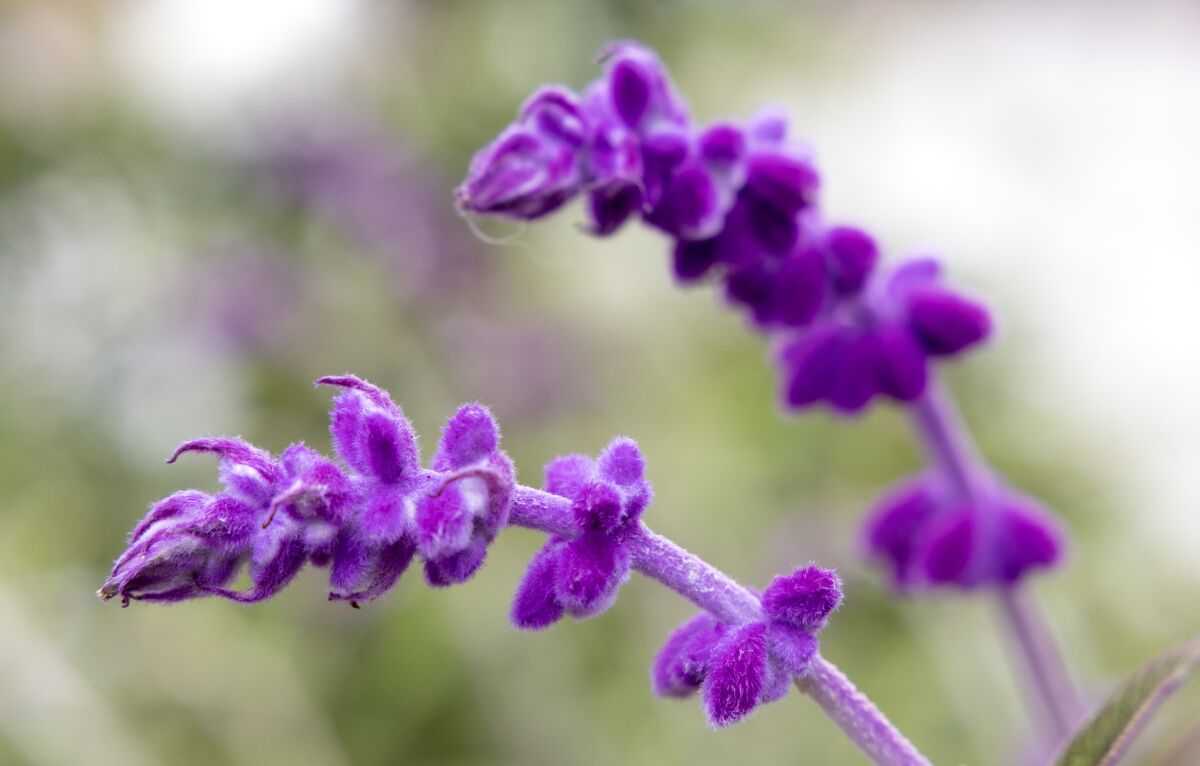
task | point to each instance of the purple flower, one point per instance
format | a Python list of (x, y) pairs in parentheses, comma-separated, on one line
[(925, 537), (740, 202), (365, 520), (581, 576), (741, 667), (877, 342), (607, 143)]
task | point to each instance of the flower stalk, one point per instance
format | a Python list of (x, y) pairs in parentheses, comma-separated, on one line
[(953, 452), (718, 594)]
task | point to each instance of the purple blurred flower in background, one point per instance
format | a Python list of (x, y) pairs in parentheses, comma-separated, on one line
[(387, 201), (740, 203)]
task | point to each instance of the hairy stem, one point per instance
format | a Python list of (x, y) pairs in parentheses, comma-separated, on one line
[(857, 716), (711, 589), (953, 452)]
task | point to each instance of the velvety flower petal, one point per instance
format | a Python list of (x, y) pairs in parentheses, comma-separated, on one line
[(612, 205), (722, 144), (803, 599), (555, 112), (799, 288), (591, 569), (468, 437), (597, 507), (390, 563), (858, 373), (792, 647), (1030, 539), (893, 530), (536, 605), (691, 205), (682, 664), (736, 675), (784, 183), (951, 545), (812, 365), (852, 257), (567, 474), (946, 323), (622, 463), (383, 516), (370, 432), (246, 471), (269, 575), (444, 523), (693, 259), (351, 562), (524, 173), (457, 567), (903, 371)]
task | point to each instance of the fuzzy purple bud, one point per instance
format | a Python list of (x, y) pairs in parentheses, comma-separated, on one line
[(803, 599), (591, 569), (737, 675), (682, 664), (536, 605), (947, 323)]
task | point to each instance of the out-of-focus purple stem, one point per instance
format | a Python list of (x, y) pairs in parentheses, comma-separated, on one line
[(953, 452), (712, 590)]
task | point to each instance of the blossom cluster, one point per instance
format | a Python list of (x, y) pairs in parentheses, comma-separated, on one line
[(367, 515), (924, 536), (740, 667), (581, 576), (740, 202), (365, 519)]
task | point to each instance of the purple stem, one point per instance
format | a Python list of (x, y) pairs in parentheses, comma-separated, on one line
[(712, 590), (953, 452)]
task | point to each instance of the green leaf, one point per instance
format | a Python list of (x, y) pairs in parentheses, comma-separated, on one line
[(1106, 737)]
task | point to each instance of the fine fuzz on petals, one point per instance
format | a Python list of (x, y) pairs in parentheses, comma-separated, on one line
[(536, 605), (683, 662), (591, 569), (803, 599), (737, 675)]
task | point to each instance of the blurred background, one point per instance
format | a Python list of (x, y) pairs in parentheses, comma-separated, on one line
[(206, 204)]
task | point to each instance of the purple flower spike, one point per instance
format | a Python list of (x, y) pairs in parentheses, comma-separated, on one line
[(682, 664), (803, 599), (737, 675)]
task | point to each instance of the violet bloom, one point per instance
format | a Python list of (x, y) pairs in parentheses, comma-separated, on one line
[(877, 341), (364, 519), (740, 202), (740, 667), (926, 537), (581, 576)]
